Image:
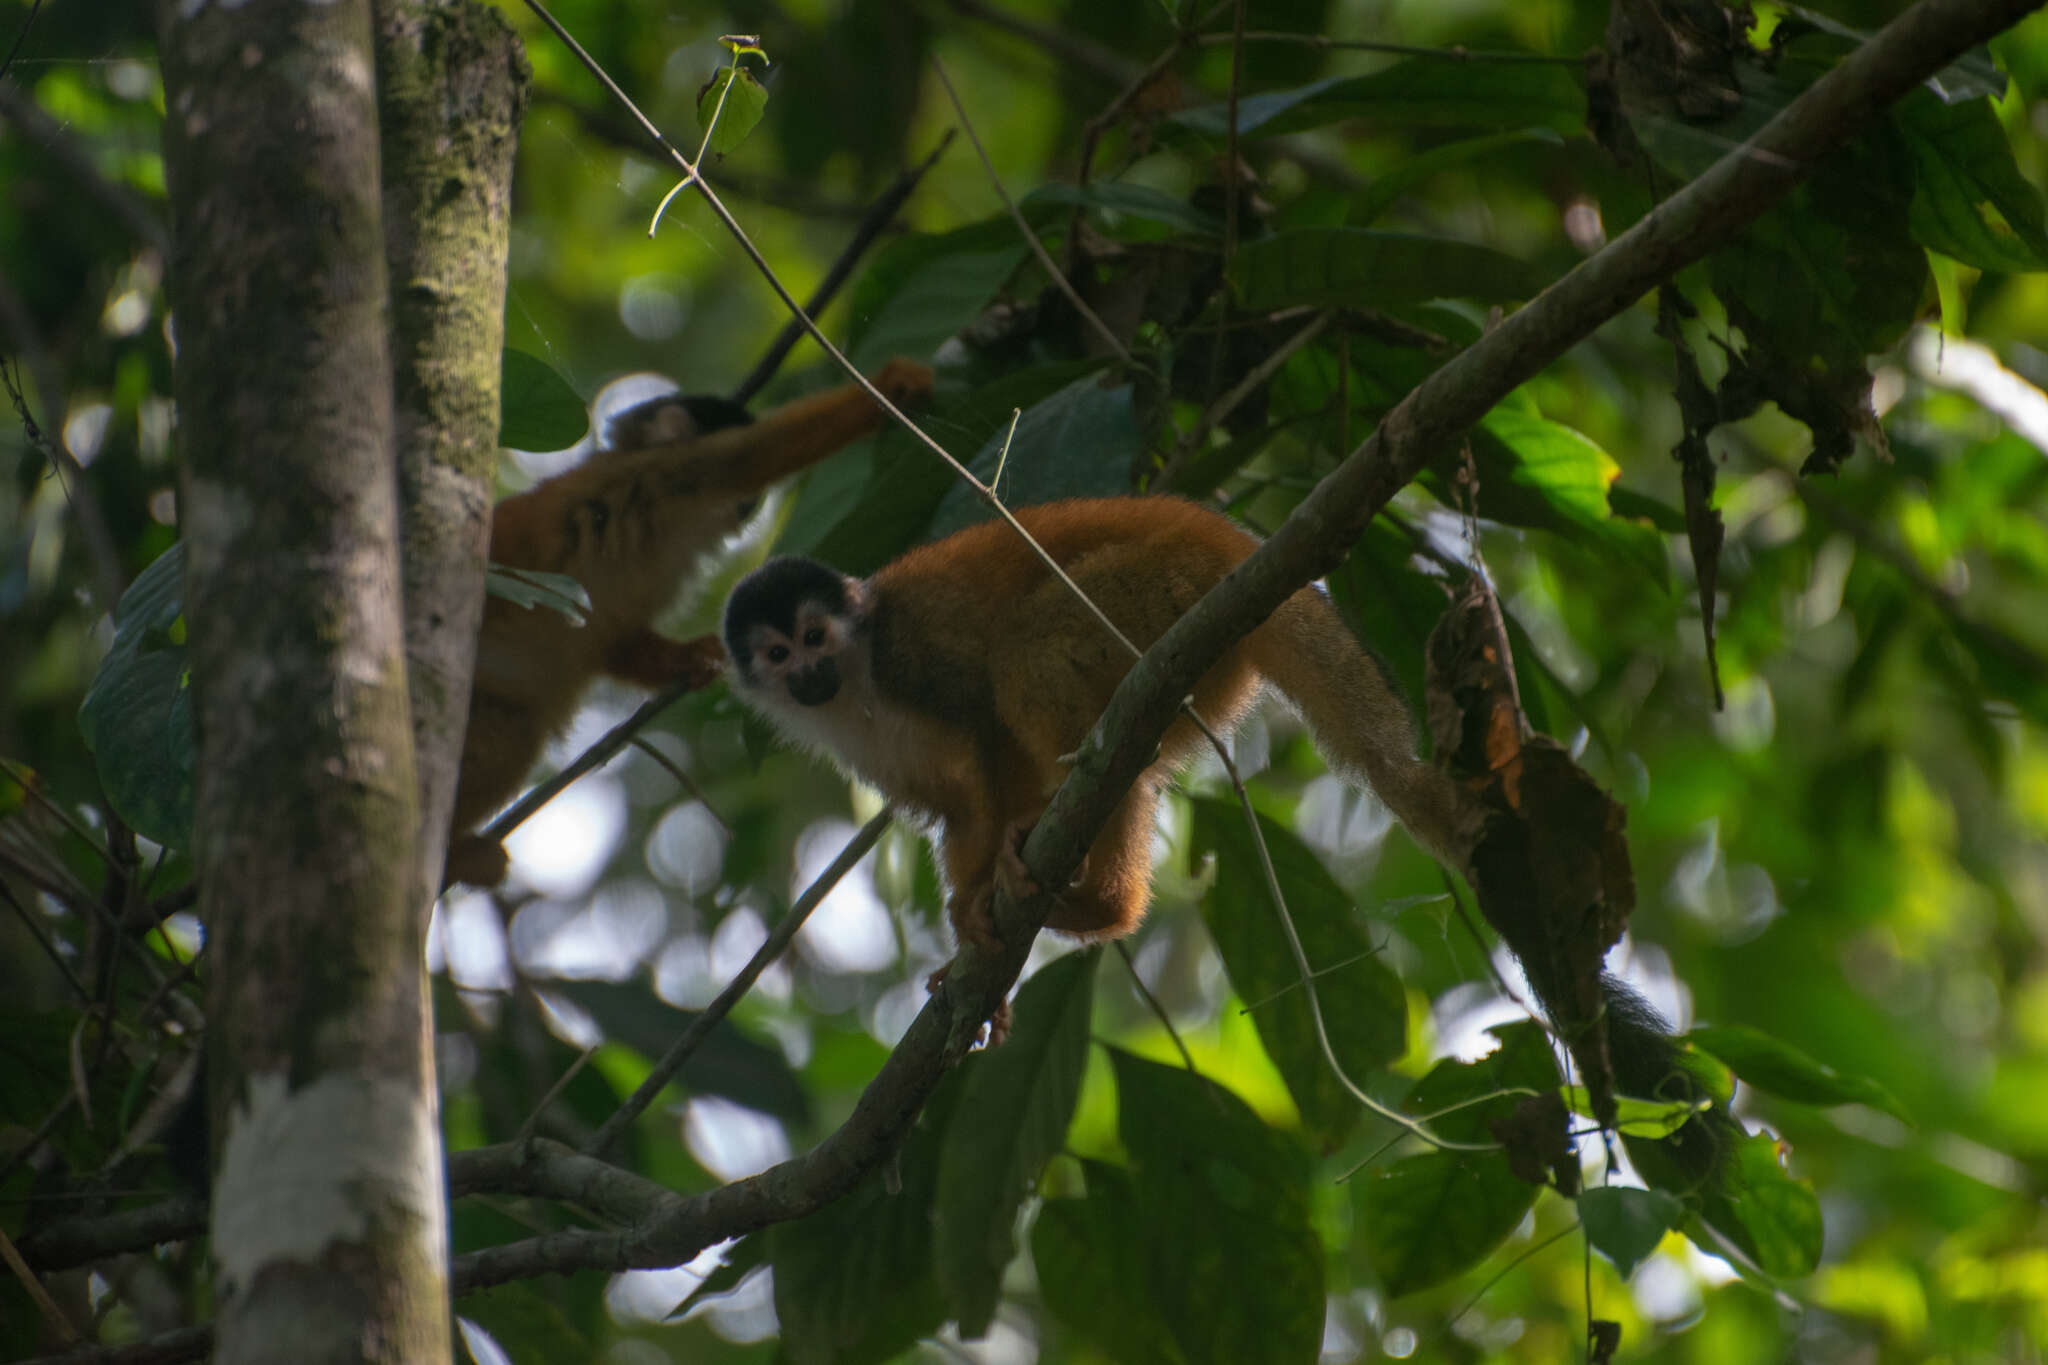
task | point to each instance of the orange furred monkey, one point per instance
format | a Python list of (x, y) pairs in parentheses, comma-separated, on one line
[(629, 524), (958, 677)]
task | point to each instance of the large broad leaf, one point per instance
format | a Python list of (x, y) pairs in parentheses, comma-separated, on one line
[(137, 717), (1461, 1100), (727, 1063), (1209, 1240), (861, 523), (1080, 442), (1433, 1216), (1364, 1007), (537, 410), (1093, 1256), (1015, 1105), (854, 1282), (1116, 204), (1625, 1224), (1969, 199), (1390, 186), (1770, 1215), (1538, 473), (527, 1321), (1367, 268), (1437, 1215), (1410, 94), (921, 289), (1781, 1069)]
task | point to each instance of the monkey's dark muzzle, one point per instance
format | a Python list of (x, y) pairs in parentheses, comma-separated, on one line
[(816, 685)]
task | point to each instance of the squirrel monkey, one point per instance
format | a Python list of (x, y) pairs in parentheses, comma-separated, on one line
[(957, 677), (676, 477)]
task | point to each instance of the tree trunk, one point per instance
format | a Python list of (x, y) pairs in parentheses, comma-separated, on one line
[(451, 85), (329, 1224)]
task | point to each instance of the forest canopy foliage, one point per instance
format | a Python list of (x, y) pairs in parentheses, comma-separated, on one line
[(1771, 555)]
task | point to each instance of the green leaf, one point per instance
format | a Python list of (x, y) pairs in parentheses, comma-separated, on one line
[(1114, 201), (1781, 1069), (1080, 442), (537, 410), (531, 588), (1095, 1257), (1637, 1118), (1537, 473), (1434, 1216), (1625, 1224), (1364, 1007), (729, 107), (862, 524), (1368, 268), (1969, 199), (854, 1282), (1210, 1233), (1410, 94), (726, 1063), (137, 716), (1775, 1218), (1523, 1062), (921, 289), (1392, 184), (1015, 1105), (527, 1321)]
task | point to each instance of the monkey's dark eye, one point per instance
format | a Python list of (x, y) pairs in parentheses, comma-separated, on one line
[(814, 637), (778, 654)]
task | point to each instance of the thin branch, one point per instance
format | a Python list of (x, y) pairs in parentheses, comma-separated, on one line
[(33, 923), (683, 780), (596, 756), (872, 224), (1187, 1059), (700, 1028)]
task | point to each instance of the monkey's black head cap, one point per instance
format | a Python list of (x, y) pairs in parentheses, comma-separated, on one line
[(771, 594)]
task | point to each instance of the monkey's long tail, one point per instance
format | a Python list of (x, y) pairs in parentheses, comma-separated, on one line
[(1363, 727)]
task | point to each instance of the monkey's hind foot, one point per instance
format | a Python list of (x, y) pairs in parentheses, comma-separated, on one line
[(1013, 877)]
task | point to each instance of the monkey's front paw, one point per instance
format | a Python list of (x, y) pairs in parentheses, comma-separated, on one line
[(905, 381)]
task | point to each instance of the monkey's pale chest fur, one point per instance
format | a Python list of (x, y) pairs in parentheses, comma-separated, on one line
[(883, 744)]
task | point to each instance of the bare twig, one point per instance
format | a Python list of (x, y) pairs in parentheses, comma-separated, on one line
[(1187, 1059), (700, 1028), (596, 756), (683, 780)]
